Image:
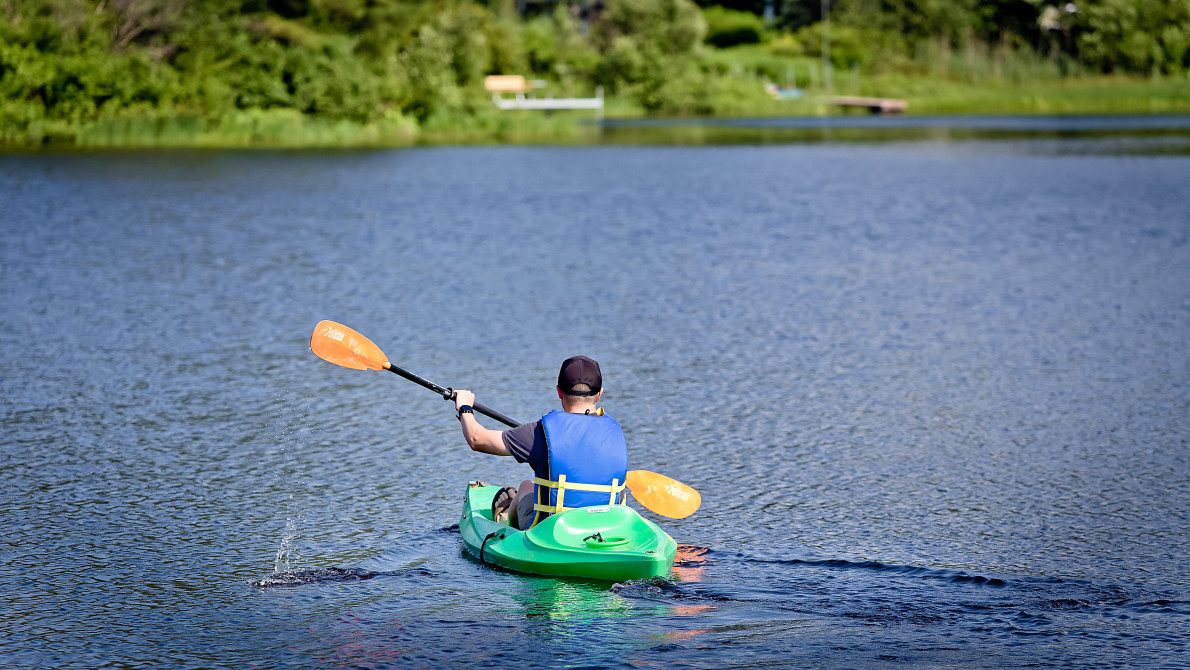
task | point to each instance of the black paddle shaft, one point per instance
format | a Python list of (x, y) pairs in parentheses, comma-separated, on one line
[(449, 394)]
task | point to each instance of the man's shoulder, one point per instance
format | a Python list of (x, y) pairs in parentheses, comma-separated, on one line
[(525, 428), (520, 440)]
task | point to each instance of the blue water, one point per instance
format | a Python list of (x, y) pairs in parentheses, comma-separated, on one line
[(1073, 123), (933, 393), (1142, 134)]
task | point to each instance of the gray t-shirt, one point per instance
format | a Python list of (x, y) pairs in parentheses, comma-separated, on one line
[(527, 444)]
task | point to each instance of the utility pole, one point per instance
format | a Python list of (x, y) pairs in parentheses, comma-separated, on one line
[(826, 44)]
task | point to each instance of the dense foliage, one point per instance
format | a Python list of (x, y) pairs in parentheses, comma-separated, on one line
[(397, 67), (1140, 36)]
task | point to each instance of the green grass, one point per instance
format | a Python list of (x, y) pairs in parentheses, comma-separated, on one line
[(1082, 95), (955, 83)]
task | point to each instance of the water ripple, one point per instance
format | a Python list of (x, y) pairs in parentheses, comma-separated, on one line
[(934, 396)]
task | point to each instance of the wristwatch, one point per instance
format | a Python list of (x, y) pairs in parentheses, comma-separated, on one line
[(465, 409)]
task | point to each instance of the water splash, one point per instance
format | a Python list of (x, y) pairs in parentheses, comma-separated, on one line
[(288, 555), (291, 427), (298, 577)]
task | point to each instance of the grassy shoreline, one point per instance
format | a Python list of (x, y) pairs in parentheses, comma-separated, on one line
[(288, 129)]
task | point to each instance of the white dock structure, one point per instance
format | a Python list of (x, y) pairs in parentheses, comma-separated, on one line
[(518, 86)]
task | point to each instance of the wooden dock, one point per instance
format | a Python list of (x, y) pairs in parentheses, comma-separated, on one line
[(873, 105), (518, 86)]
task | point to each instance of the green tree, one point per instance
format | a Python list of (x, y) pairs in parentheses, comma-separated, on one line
[(647, 49), (449, 54), (1136, 35)]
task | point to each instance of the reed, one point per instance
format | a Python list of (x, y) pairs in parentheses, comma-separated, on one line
[(288, 129), (275, 128)]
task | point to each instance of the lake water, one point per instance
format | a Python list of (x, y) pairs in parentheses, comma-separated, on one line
[(934, 394)]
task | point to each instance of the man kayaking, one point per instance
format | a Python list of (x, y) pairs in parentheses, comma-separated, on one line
[(578, 455)]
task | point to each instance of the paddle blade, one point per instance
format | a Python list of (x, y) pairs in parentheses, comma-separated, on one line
[(341, 345), (662, 495)]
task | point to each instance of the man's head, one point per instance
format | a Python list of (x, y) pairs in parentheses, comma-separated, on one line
[(579, 380)]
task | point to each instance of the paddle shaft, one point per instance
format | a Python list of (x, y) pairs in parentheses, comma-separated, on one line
[(449, 394), (338, 344)]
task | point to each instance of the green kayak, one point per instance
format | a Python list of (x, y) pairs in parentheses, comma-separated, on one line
[(611, 542)]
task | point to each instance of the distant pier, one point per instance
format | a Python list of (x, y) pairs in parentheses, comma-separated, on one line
[(873, 105)]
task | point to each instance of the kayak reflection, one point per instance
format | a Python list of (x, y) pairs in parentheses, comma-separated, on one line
[(689, 563), (564, 600)]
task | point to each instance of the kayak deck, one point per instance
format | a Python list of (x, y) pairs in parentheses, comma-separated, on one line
[(611, 542)]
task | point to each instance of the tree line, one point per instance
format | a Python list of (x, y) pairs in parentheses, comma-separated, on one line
[(1134, 36), (67, 63)]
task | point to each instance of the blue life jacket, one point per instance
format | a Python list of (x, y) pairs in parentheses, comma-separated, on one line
[(588, 462)]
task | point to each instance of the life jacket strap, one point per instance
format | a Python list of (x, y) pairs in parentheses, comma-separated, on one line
[(613, 490)]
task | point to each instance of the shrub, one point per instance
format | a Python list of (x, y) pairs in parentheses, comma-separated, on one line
[(729, 28)]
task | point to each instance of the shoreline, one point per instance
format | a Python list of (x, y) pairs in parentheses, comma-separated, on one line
[(287, 129)]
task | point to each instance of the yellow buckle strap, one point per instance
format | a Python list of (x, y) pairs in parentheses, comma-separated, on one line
[(613, 491)]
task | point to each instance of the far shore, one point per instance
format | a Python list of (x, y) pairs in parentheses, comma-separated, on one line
[(289, 129)]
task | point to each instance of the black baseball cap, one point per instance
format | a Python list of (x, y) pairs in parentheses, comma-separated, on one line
[(580, 370)]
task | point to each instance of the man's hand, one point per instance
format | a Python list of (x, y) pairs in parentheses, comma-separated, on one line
[(463, 397), (483, 440)]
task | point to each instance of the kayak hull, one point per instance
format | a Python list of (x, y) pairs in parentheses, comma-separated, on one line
[(612, 542)]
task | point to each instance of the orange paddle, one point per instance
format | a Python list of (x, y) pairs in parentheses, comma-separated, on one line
[(665, 496), (343, 346), (338, 344)]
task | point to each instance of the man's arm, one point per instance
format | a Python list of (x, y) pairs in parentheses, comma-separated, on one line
[(483, 440)]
